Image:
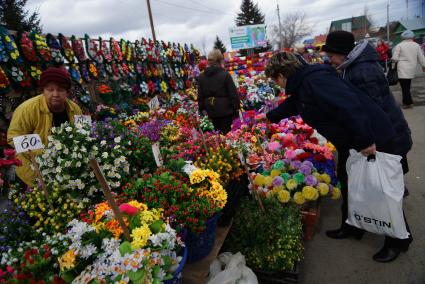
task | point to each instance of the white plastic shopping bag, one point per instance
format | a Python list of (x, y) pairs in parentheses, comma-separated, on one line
[(375, 194)]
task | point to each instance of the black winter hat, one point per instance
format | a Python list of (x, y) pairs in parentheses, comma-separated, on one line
[(340, 42)]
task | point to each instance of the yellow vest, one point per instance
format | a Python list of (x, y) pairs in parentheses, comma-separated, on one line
[(34, 117)]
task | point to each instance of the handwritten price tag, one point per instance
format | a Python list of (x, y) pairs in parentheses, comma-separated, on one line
[(157, 154), (28, 142), (154, 103), (80, 120)]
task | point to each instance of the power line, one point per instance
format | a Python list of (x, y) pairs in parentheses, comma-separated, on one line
[(203, 5), (190, 8)]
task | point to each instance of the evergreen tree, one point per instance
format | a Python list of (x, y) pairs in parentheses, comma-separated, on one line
[(250, 14), (218, 44), (14, 16)]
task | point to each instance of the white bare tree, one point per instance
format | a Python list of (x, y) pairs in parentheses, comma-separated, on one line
[(294, 28)]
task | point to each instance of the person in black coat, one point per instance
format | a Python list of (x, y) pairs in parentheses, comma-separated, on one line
[(341, 113), (217, 94), (360, 66)]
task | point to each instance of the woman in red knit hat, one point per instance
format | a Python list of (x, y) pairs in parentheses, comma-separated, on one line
[(39, 114)]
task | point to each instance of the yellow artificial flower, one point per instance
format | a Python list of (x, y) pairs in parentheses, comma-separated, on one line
[(283, 196), (310, 193), (291, 184), (336, 193), (275, 173), (268, 181), (280, 187), (330, 146), (325, 178), (299, 198), (140, 236), (259, 180), (323, 188), (138, 205), (67, 261)]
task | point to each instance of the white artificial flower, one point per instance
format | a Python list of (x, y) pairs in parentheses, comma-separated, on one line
[(103, 142), (78, 164), (68, 129), (117, 139), (67, 164), (58, 146), (105, 155)]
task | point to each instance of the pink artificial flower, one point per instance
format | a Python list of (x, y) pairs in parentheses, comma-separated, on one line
[(274, 146), (9, 269), (128, 209), (290, 154), (1, 182)]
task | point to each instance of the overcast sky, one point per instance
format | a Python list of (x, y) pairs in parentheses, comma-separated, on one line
[(197, 21)]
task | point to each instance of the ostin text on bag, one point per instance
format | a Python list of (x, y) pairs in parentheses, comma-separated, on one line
[(372, 220)]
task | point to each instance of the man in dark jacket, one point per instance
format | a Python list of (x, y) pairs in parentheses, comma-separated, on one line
[(345, 116), (359, 65), (217, 94)]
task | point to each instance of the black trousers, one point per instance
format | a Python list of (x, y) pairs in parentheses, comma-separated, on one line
[(405, 89), (223, 124), (343, 178)]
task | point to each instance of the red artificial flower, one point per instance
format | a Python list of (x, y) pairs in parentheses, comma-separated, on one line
[(314, 140), (319, 158), (128, 209), (303, 156), (9, 153)]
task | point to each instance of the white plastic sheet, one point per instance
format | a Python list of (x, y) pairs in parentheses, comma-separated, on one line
[(235, 270)]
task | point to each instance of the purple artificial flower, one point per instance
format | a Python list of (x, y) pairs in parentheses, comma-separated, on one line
[(308, 163), (305, 169), (277, 181), (310, 180), (295, 165)]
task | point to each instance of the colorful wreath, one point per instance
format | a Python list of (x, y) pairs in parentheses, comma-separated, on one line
[(93, 50), (27, 48), (115, 50), (4, 82), (8, 45), (74, 72), (66, 49), (55, 48), (42, 48), (77, 46)]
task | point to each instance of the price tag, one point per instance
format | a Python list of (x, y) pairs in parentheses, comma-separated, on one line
[(194, 133), (240, 116), (157, 154), (241, 158), (154, 103), (28, 142), (80, 120)]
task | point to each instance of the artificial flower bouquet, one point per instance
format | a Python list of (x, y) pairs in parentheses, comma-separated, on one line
[(182, 204), (65, 161), (293, 180), (99, 252)]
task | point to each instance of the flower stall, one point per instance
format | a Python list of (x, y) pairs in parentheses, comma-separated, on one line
[(137, 195)]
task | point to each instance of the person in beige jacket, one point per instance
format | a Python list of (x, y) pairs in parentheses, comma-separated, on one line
[(407, 54)]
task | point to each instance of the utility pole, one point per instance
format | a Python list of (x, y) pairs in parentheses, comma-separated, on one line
[(280, 27), (407, 9), (151, 20), (388, 22)]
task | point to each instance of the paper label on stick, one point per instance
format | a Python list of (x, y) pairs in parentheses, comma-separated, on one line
[(241, 158), (240, 116), (154, 103), (28, 142), (80, 120), (157, 154)]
